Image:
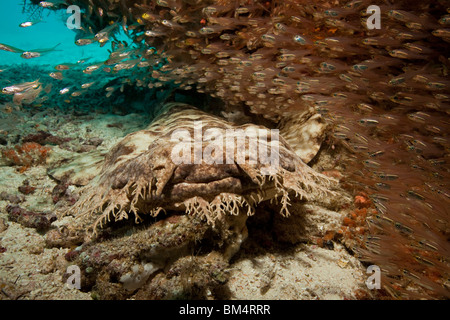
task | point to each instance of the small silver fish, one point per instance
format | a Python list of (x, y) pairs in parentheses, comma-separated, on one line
[(77, 93), (106, 32), (371, 164), (368, 122), (10, 90), (28, 95)]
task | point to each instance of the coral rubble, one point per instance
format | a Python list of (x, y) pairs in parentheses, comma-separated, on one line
[(382, 94)]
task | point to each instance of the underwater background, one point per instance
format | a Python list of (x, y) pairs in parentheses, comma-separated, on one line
[(364, 120)]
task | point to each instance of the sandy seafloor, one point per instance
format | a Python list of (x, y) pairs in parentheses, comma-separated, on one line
[(30, 270)]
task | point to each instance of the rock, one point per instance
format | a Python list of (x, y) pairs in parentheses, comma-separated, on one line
[(79, 170), (14, 199), (3, 225)]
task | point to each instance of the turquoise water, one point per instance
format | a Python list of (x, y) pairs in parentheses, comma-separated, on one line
[(46, 34)]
